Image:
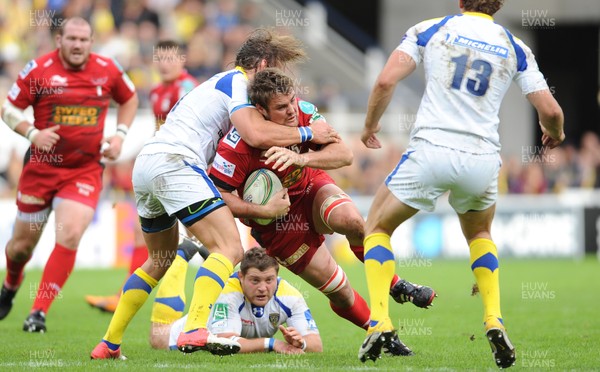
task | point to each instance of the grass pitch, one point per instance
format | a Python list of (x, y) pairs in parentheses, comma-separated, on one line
[(550, 308)]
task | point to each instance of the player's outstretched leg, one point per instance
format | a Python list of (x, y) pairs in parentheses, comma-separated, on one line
[(404, 291), (218, 231), (484, 263), (137, 289), (379, 269), (338, 213), (109, 303)]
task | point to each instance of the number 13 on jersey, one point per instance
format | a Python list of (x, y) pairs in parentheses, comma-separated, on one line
[(477, 86)]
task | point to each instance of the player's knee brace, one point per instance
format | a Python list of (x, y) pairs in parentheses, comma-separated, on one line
[(331, 203), (335, 282)]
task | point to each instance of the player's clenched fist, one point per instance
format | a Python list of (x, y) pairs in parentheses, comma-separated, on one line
[(45, 139), (323, 133)]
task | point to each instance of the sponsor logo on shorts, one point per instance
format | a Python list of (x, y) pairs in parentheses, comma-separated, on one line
[(221, 165), (30, 199), (294, 257), (84, 188)]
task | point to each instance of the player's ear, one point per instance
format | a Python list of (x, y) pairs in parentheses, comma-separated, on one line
[(262, 65), (262, 111), (57, 39)]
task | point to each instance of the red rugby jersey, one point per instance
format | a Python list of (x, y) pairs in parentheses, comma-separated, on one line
[(235, 160), (77, 100), (164, 96)]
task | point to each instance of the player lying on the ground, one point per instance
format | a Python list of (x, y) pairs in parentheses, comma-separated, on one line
[(311, 203), (254, 304)]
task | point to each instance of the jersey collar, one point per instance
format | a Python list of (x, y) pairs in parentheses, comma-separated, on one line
[(241, 69), (478, 14)]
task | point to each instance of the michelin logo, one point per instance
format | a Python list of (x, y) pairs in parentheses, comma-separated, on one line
[(223, 166), (480, 46)]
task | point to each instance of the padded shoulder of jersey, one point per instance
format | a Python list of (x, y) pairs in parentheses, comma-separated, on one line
[(233, 285), (286, 289)]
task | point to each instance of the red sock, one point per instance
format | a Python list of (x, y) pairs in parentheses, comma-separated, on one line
[(138, 257), (359, 313), (14, 272), (57, 271), (359, 252)]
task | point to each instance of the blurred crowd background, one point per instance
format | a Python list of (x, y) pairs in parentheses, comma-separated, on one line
[(212, 30)]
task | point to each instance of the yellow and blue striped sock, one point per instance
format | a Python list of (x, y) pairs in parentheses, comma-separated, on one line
[(134, 295), (170, 299), (379, 268), (210, 280), (484, 264)]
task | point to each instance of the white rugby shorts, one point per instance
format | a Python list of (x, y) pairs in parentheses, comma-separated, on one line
[(427, 171), (168, 183)]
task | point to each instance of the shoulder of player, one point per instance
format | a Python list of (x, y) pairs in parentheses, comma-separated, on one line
[(186, 78), (425, 24), (233, 287), (99, 61), (307, 112), (156, 88), (37, 66), (285, 289)]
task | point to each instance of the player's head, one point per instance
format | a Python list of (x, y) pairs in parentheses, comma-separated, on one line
[(74, 41), (258, 275), (273, 94), (489, 7), (265, 48), (169, 56)]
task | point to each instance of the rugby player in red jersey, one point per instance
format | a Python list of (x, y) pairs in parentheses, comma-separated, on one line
[(175, 80), (175, 83), (316, 204), (70, 90)]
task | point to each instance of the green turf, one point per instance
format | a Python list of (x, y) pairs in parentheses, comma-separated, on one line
[(550, 309)]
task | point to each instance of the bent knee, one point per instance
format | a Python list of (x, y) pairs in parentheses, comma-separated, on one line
[(234, 253), (21, 249), (69, 237), (351, 225)]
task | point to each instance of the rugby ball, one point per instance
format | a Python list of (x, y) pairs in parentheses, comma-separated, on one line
[(260, 186)]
